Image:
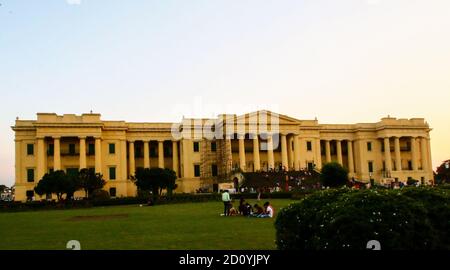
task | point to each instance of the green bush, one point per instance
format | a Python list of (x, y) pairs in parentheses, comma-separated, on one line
[(411, 218), (333, 175), (100, 195)]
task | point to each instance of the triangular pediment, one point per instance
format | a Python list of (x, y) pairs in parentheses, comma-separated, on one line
[(283, 119)]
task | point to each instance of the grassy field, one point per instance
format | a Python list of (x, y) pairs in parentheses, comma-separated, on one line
[(177, 226)]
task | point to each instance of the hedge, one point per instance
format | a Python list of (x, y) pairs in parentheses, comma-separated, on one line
[(406, 219), (175, 198)]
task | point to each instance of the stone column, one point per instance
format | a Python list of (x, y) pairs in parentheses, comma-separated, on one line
[(270, 157), (41, 156), (318, 155), (98, 155), (423, 152), (83, 164), (161, 154), (290, 152), (146, 155), (242, 152), (387, 155), (18, 164), (57, 154), (414, 159), (327, 151), (351, 166), (132, 168), (339, 152), (398, 159), (175, 156), (296, 153), (284, 152), (430, 162), (123, 159), (256, 160)]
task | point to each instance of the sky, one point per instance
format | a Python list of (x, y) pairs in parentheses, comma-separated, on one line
[(347, 61)]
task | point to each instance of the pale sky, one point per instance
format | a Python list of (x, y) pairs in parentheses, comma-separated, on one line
[(344, 61)]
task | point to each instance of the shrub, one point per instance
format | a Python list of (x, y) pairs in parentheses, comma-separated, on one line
[(100, 195), (333, 175), (348, 219)]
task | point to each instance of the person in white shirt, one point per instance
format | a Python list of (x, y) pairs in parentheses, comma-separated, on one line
[(226, 203), (268, 211)]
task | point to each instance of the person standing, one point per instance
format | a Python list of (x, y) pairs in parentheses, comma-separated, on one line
[(226, 202)]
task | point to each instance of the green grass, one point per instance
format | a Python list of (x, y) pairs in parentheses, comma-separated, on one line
[(187, 226)]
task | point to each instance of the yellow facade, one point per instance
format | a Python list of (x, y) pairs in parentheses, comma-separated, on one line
[(200, 149)]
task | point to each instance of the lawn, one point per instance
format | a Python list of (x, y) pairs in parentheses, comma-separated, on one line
[(187, 226)]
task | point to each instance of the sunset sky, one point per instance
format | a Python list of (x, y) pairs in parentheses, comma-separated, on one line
[(346, 61)]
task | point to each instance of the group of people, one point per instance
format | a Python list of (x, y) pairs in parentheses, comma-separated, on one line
[(245, 209)]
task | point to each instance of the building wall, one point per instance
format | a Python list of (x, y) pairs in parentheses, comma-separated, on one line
[(72, 129)]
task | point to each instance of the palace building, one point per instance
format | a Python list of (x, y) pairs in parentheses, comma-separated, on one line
[(203, 152)]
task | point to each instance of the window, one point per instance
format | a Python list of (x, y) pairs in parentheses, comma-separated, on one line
[(196, 146), (197, 170), (30, 175), (71, 149), (112, 148), (213, 147), (370, 166), (310, 166), (308, 146), (51, 170), (91, 149), (369, 146), (214, 170), (112, 173), (410, 165), (51, 149), (30, 149), (112, 192)]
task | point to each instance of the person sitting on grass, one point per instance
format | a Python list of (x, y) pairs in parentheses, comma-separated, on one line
[(248, 210), (268, 212), (258, 210), (232, 211)]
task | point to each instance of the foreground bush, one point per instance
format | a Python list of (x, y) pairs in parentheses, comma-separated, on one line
[(411, 218)]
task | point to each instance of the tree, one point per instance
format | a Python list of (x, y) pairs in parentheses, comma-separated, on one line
[(333, 175), (3, 188), (169, 179), (155, 180), (58, 183), (90, 181), (443, 173)]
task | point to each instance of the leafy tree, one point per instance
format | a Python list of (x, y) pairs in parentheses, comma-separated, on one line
[(3, 188), (58, 183), (443, 173), (90, 181), (155, 180), (333, 175), (169, 179)]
